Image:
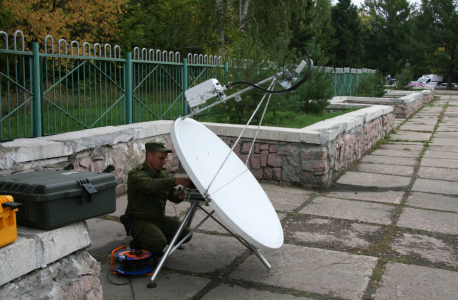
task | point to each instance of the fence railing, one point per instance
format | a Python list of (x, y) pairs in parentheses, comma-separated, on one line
[(74, 87)]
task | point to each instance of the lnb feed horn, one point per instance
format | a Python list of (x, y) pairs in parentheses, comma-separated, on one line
[(203, 92)]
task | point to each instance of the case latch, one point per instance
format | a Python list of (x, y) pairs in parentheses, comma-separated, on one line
[(87, 189)]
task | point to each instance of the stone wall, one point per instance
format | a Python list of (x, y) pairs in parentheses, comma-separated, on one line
[(309, 165), (50, 264), (72, 277), (404, 103)]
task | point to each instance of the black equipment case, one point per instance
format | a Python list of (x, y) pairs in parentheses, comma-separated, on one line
[(55, 198)]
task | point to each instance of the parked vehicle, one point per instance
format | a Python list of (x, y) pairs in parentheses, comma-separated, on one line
[(432, 84)]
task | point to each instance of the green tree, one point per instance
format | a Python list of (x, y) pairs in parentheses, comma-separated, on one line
[(5, 16), (438, 23), (314, 21), (314, 94), (347, 25), (386, 35)]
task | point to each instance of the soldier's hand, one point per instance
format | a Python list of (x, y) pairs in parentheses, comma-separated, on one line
[(183, 181), (180, 193)]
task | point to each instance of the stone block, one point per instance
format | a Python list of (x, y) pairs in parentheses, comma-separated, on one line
[(257, 148), (246, 147), (258, 173), (264, 146), (273, 160), (255, 160), (85, 162), (304, 156), (286, 151), (264, 155), (18, 258), (276, 174), (273, 148), (268, 173), (59, 242)]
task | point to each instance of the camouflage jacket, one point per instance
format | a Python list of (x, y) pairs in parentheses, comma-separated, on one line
[(147, 192)]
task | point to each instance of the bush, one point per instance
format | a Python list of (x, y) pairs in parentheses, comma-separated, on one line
[(403, 80), (371, 85)]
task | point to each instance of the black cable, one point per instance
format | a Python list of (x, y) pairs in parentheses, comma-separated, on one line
[(130, 279), (309, 71)]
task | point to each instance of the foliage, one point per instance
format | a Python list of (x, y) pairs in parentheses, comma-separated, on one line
[(347, 24), (314, 21), (6, 17), (84, 20), (317, 90), (385, 36), (438, 23), (256, 68), (403, 79), (371, 85)]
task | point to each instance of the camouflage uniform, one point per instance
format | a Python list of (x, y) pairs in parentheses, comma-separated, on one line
[(147, 194)]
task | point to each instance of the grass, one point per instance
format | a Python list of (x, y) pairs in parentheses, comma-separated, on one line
[(287, 119)]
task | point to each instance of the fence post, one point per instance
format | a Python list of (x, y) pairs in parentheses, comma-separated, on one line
[(185, 86), (128, 87), (36, 114), (226, 66)]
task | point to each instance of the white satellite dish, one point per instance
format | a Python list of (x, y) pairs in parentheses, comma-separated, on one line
[(235, 194)]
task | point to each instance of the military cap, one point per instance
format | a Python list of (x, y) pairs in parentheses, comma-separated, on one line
[(156, 146)]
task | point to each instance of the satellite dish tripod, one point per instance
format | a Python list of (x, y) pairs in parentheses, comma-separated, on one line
[(196, 200)]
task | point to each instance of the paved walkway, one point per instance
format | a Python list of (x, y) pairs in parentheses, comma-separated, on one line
[(388, 229)]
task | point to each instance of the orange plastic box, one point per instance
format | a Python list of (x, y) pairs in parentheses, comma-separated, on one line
[(8, 227)]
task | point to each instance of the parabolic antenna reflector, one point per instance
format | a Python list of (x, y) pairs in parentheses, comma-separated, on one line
[(235, 194)]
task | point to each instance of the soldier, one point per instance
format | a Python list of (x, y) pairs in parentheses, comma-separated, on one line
[(148, 188)]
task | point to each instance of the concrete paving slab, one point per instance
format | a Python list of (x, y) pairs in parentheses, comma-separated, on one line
[(393, 197), (447, 135), (441, 163), (435, 186), (384, 169), (106, 235), (443, 148), (410, 282), (410, 136), (433, 201), (444, 142), (447, 128), (429, 248), (438, 173), (422, 121), (286, 189), (434, 153), (169, 286), (231, 292), (331, 233), (400, 161), (350, 210), (205, 253), (285, 201), (330, 273), (397, 153), (417, 127), (375, 180), (444, 222), (402, 147)]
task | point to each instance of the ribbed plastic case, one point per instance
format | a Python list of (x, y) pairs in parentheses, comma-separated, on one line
[(56, 198), (8, 227)]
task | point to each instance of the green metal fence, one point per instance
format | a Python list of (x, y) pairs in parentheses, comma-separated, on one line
[(69, 87)]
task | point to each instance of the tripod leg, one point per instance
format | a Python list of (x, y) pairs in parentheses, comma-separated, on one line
[(152, 284)]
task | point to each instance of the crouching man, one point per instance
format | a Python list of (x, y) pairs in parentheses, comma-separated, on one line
[(149, 186)]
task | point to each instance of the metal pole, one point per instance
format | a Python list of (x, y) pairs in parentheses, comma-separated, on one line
[(128, 73), (37, 115), (152, 284), (185, 86)]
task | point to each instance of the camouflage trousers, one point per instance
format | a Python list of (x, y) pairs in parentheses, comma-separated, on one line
[(155, 235)]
